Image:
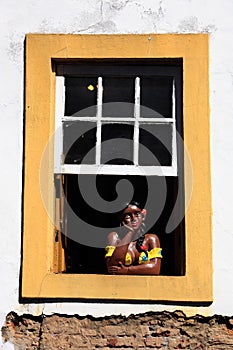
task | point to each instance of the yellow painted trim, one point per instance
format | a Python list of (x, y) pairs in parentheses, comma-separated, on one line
[(38, 279)]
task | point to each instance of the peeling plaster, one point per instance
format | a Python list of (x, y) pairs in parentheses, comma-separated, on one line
[(14, 49), (148, 330), (192, 25), (118, 4), (189, 24), (102, 27), (85, 23), (154, 16)]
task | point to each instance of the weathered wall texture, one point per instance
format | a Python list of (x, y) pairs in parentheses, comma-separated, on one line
[(143, 331)]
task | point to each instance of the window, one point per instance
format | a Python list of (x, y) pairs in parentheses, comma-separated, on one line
[(105, 101), (115, 120), (160, 93)]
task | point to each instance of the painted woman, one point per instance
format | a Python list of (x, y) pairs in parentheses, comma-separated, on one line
[(131, 251)]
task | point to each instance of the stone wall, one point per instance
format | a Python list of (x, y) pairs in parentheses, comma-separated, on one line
[(160, 330)]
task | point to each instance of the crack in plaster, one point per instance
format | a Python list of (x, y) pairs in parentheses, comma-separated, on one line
[(100, 25), (118, 4), (96, 23), (155, 15)]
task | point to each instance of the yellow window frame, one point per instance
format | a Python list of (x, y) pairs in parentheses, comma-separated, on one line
[(39, 277)]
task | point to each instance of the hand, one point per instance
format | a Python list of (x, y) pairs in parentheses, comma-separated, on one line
[(118, 270), (130, 228)]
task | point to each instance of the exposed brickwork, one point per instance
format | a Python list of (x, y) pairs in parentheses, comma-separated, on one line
[(162, 331)]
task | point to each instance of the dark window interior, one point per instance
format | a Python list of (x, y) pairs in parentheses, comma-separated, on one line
[(118, 90), (114, 151), (156, 94), (79, 139), (81, 258), (80, 94), (155, 144)]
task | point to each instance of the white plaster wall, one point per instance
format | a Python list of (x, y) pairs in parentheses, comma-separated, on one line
[(116, 16)]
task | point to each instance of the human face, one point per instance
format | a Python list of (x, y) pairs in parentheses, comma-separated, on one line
[(133, 216)]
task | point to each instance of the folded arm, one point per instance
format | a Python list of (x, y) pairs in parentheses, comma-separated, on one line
[(152, 267)]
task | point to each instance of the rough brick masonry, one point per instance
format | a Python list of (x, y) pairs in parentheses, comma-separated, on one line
[(153, 330)]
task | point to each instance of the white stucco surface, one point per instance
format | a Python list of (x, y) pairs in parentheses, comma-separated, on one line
[(118, 16)]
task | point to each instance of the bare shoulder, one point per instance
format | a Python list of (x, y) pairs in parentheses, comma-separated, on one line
[(152, 240), (113, 238)]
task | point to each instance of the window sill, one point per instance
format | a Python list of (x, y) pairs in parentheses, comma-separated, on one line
[(110, 287)]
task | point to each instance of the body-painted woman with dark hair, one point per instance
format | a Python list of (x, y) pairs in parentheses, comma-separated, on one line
[(135, 252)]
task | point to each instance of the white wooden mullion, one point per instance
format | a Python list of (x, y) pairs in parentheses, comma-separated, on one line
[(156, 120), (99, 116), (91, 119), (174, 145), (136, 122), (118, 119), (114, 169), (59, 113), (80, 119)]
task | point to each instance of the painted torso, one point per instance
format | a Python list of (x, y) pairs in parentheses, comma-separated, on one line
[(129, 255)]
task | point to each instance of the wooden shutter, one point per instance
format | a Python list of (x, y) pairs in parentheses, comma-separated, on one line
[(60, 239)]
